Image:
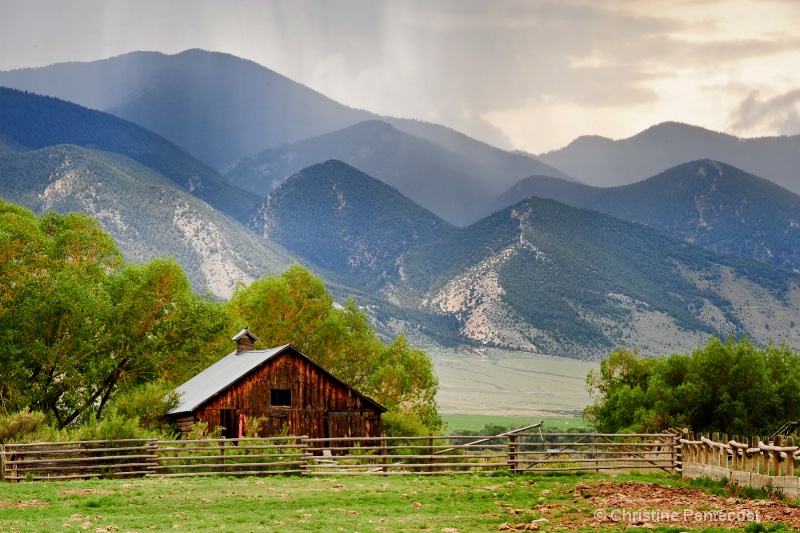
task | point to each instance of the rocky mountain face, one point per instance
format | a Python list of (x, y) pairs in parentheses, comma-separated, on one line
[(604, 162), (708, 203), (34, 122), (539, 275), (44, 166)]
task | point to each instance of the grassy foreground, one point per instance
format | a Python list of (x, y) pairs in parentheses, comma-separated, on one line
[(354, 504)]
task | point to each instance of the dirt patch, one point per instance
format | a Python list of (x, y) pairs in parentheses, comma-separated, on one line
[(22, 504), (85, 492), (649, 505)]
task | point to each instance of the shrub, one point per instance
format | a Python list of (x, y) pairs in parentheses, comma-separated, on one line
[(23, 426)]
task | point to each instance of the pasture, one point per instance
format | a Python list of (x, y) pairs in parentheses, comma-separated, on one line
[(497, 502)]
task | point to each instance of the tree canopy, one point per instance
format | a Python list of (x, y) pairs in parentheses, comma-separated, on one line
[(730, 387), (77, 323)]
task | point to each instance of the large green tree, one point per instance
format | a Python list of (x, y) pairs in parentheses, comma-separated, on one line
[(296, 308), (732, 387), (77, 323)]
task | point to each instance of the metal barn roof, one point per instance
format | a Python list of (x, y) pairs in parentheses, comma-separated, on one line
[(220, 376)]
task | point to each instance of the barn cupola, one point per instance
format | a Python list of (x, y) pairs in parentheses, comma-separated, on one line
[(245, 341)]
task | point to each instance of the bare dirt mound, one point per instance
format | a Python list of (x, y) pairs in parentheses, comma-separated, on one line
[(649, 505)]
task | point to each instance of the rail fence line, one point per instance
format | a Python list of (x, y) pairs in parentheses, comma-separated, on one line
[(749, 462), (434, 455)]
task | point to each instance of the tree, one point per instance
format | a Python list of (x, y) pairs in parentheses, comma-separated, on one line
[(731, 387), (77, 323), (296, 308)]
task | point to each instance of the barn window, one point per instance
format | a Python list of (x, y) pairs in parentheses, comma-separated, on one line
[(281, 397)]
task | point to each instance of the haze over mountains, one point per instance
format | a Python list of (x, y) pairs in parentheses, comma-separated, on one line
[(431, 231), (604, 162)]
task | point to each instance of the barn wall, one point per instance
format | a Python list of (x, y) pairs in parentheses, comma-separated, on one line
[(320, 406)]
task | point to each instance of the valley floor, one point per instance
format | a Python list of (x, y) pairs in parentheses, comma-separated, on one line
[(491, 381)]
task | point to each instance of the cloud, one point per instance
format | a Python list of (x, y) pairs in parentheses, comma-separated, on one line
[(779, 114)]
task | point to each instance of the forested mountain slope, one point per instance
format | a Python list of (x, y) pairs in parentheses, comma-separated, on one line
[(704, 202), (539, 275), (35, 122)]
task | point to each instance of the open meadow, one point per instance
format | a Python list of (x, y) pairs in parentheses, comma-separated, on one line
[(489, 381), (450, 504)]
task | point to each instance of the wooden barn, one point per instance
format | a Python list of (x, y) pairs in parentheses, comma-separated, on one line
[(293, 393)]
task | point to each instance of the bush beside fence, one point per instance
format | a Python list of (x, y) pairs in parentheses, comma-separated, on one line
[(433, 455)]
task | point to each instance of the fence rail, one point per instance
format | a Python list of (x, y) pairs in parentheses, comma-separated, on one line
[(751, 462), (434, 455)]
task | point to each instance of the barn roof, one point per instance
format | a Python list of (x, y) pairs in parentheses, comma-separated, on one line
[(230, 369)]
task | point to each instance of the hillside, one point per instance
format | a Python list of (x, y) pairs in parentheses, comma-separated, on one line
[(217, 106), (604, 162), (707, 203), (35, 122), (454, 187), (538, 276), (44, 165), (347, 222)]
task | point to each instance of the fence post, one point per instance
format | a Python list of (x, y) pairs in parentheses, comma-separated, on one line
[(383, 453), (764, 459), (790, 457), (776, 456), (222, 452), (2, 462), (303, 441), (724, 451), (512, 453), (596, 455), (430, 452)]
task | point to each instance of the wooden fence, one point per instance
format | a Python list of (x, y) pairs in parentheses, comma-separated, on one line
[(750, 462), (435, 455)]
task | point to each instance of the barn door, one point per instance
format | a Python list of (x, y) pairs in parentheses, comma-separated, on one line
[(229, 419)]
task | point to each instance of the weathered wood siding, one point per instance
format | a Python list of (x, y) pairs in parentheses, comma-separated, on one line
[(320, 406)]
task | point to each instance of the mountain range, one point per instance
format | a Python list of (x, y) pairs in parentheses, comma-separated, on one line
[(539, 275), (222, 109), (605, 162), (704, 202), (431, 232)]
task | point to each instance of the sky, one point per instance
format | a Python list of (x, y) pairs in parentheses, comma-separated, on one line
[(530, 75)]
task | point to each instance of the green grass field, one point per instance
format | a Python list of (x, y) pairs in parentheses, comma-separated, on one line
[(451, 504)]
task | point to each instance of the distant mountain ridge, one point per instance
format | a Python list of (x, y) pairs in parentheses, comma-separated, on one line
[(704, 202), (538, 275), (452, 185), (217, 106), (604, 162), (222, 109)]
